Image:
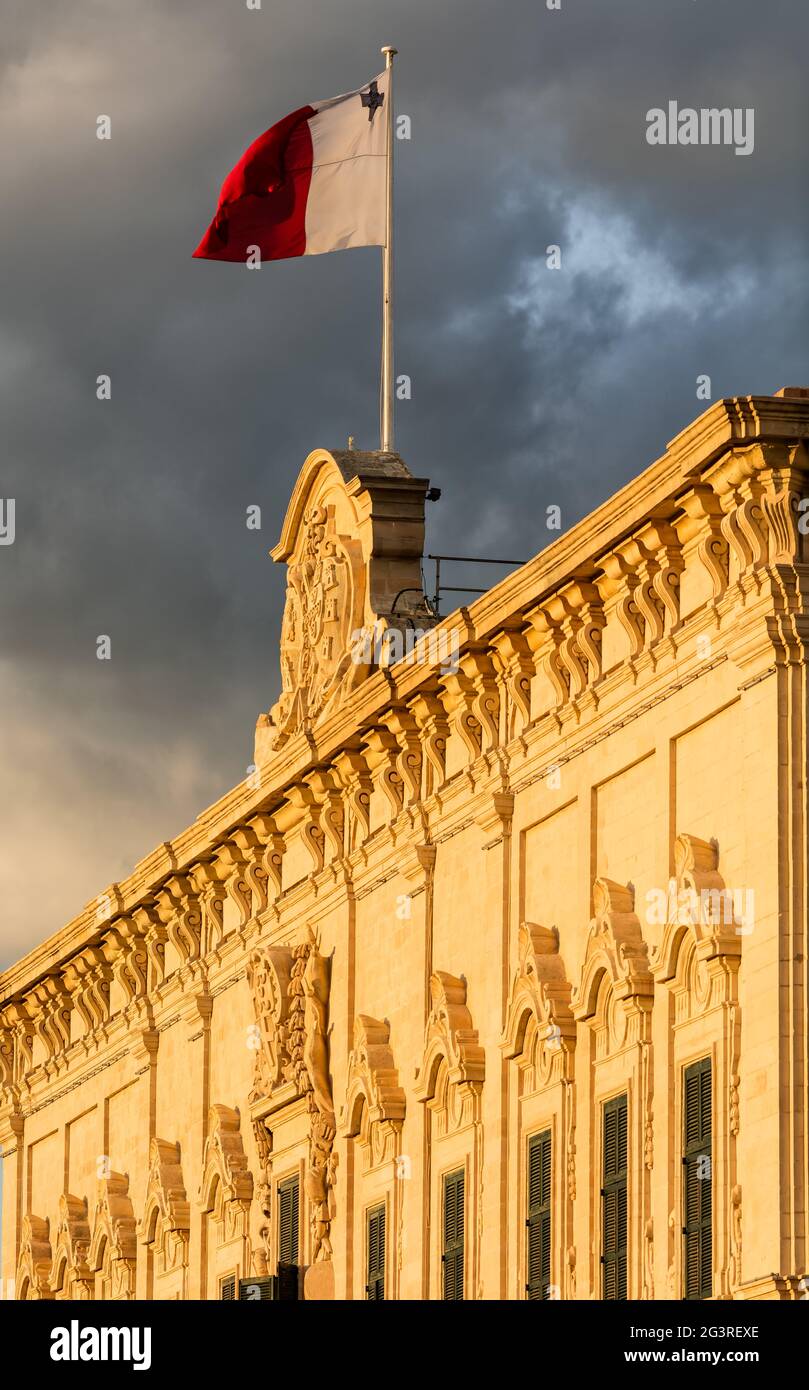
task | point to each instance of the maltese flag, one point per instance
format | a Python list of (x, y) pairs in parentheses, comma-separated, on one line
[(313, 182)]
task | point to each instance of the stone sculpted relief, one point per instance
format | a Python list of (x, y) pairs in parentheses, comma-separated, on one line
[(291, 986), (352, 540), (315, 648)]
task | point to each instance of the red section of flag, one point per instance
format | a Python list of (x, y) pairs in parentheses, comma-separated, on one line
[(263, 199)]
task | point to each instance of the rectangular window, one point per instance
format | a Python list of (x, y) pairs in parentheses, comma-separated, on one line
[(453, 1244), (227, 1288), (375, 1254), (288, 1208), (613, 1200), (697, 1181), (538, 1221)]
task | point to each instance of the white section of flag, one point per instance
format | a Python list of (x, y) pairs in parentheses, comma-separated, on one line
[(346, 202)]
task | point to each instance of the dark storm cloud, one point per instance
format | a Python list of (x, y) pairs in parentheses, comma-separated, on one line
[(529, 386)]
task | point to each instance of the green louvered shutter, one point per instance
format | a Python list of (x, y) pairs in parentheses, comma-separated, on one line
[(375, 1254), (258, 1289), (538, 1221), (613, 1200), (697, 1181), (288, 1209), (452, 1256), (227, 1288)]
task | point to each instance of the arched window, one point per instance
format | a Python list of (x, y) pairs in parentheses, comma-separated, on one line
[(450, 1084), (225, 1196), (164, 1228), (613, 1006), (539, 1038), (372, 1116), (113, 1248), (72, 1277), (698, 963), (35, 1259)]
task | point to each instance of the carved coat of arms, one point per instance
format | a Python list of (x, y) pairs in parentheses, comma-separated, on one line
[(315, 646)]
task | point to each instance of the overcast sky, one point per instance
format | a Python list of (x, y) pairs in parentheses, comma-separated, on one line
[(530, 386)]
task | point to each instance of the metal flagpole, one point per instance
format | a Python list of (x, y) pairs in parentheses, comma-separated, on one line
[(386, 402)]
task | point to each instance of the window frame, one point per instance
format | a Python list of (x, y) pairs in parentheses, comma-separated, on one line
[(292, 1183), (539, 1214), (451, 1250), (376, 1275), (691, 1151), (616, 1182)]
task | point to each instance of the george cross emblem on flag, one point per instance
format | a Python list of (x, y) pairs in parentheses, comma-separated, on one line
[(372, 99)]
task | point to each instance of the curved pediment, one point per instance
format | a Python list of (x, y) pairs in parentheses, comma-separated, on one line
[(70, 1275), (451, 1042), (373, 1087), (352, 541), (540, 993), (701, 912), (166, 1207), (224, 1163), (35, 1259), (615, 951)]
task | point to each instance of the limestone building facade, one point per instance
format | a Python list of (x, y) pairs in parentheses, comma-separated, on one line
[(489, 980)]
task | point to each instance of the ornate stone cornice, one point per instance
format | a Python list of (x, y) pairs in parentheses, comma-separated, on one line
[(724, 496)]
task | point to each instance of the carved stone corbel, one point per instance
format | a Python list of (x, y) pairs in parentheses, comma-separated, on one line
[(355, 778), (205, 907), (546, 639), (516, 671), (326, 790), (303, 799), (700, 532), (402, 724), (147, 922), (272, 843), (458, 698), (19, 1021), (8, 1070), (496, 816), (737, 482), (478, 667), (382, 749), (179, 909), (617, 585), (251, 845), (230, 865), (664, 567), (431, 721), (785, 482), (50, 1007), (88, 978), (125, 949)]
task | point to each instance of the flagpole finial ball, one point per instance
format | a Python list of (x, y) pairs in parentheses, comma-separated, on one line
[(388, 50)]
